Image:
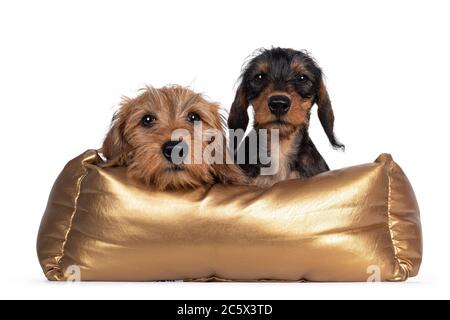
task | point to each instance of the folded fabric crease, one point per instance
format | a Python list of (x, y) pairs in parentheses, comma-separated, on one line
[(338, 226)]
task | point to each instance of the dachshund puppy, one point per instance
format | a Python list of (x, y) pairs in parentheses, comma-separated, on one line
[(158, 134), (282, 85)]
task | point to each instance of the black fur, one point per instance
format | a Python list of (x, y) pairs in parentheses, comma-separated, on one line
[(280, 75)]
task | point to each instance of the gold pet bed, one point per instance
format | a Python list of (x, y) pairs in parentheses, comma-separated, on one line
[(355, 224)]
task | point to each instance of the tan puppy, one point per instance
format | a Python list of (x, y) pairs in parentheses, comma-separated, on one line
[(142, 138)]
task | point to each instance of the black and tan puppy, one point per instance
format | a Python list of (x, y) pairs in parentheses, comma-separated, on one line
[(282, 85)]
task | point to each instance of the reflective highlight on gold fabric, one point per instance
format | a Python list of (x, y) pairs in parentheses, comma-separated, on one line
[(351, 224)]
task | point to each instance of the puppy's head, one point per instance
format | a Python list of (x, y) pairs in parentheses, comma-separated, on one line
[(282, 85), (155, 135)]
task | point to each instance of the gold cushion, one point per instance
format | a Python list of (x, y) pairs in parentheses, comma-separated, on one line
[(352, 224)]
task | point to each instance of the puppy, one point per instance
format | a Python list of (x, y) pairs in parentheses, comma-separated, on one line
[(148, 131), (282, 85)]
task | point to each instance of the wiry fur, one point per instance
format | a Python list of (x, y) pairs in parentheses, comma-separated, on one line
[(276, 72), (130, 144)]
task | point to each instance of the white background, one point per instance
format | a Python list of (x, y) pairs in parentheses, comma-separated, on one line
[(64, 66)]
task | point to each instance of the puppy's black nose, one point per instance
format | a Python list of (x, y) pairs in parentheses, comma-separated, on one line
[(279, 105), (175, 151)]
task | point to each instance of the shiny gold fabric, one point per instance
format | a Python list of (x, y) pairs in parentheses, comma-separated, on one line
[(344, 225)]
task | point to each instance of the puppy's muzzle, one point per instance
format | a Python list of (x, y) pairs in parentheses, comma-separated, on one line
[(279, 105), (175, 151)]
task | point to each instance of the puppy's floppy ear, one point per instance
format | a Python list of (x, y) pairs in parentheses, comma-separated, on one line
[(115, 147), (229, 174), (238, 117), (326, 115)]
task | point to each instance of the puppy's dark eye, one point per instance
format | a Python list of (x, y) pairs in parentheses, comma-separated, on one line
[(148, 120), (193, 116), (259, 77), (301, 77)]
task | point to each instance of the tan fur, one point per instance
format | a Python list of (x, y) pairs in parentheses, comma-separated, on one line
[(296, 118), (139, 148), (287, 150)]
